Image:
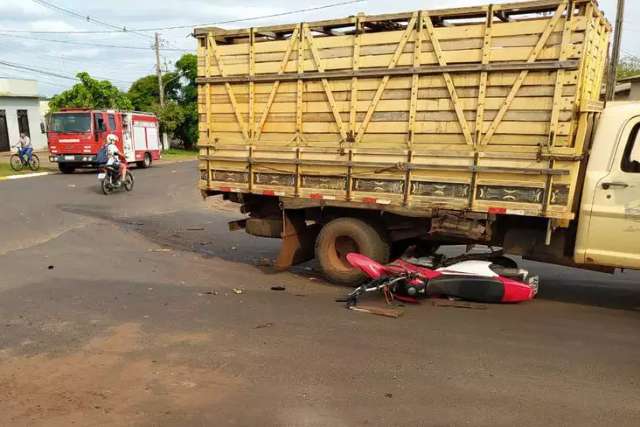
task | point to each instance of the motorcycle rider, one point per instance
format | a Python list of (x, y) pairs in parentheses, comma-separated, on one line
[(114, 153)]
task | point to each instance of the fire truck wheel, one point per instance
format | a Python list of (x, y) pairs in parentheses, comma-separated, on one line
[(65, 168), (146, 163), (342, 236)]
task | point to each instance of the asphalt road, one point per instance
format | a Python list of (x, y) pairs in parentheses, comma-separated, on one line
[(121, 310)]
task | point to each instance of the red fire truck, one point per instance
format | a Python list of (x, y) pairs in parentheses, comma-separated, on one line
[(76, 135)]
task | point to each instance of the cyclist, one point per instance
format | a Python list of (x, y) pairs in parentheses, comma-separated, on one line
[(25, 147)]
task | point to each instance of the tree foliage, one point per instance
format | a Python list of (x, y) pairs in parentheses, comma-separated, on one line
[(91, 93), (187, 131), (145, 94), (179, 116)]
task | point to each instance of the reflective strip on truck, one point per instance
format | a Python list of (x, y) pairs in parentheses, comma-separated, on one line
[(375, 201), (505, 211)]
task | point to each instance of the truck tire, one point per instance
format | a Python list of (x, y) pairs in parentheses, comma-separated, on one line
[(65, 168), (342, 236), (146, 163)]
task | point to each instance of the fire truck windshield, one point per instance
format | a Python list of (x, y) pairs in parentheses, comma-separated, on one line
[(70, 122)]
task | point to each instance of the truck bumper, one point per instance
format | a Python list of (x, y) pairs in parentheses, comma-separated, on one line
[(78, 160)]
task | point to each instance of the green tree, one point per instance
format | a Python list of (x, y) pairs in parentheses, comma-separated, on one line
[(628, 66), (187, 131), (91, 93), (179, 116), (144, 92), (171, 116)]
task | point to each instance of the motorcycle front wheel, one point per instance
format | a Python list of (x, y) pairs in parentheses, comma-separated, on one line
[(106, 187), (128, 182)]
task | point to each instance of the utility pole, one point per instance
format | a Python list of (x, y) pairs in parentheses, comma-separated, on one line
[(165, 139), (615, 53), (159, 70)]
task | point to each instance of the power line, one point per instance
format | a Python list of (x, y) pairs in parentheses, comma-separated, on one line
[(255, 18), (39, 80), (175, 27), (87, 18), (108, 46), (23, 67), (35, 70)]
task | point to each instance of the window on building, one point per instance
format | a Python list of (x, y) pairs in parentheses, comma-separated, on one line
[(23, 122), (112, 122)]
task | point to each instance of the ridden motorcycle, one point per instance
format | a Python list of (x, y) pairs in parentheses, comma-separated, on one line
[(111, 177), (471, 280)]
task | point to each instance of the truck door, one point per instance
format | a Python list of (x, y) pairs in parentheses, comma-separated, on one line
[(614, 228), (99, 128)]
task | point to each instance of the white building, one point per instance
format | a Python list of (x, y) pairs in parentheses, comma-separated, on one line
[(20, 112)]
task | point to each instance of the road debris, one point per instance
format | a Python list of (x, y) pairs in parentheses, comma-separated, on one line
[(264, 325), (237, 291), (207, 293), (264, 262), (51, 267), (458, 304), (160, 250), (278, 288), (378, 311), (195, 229)]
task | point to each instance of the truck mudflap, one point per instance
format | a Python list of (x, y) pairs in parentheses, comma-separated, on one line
[(298, 240)]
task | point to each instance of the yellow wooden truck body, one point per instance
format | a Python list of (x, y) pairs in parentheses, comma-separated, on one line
[(484, 109)]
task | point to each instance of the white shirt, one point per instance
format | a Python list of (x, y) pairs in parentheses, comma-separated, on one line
[(112, 150), (24, 142)]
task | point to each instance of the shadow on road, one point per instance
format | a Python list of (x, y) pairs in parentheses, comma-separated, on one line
[(199, 231), (595, 293)]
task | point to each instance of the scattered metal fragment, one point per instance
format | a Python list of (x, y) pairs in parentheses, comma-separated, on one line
[(458, 304), (378, 311), (264, 325)]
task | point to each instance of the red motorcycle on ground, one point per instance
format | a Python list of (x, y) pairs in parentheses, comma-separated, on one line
[(474, 280)]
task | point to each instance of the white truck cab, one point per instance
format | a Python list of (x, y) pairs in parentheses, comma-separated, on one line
[(609, 218)]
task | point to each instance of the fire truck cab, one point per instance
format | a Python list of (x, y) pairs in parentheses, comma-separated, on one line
[(76, 135)]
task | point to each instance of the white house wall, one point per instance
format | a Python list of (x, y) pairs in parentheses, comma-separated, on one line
[(11, 105)]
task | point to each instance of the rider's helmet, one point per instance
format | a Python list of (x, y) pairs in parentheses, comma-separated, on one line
[(112, 139)]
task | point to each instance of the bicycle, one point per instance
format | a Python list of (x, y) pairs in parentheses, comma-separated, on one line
[(20, 162)]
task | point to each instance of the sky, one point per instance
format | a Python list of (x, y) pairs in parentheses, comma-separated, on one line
[(65, 54)]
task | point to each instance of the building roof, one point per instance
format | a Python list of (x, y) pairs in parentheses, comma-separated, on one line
[(18, 88)]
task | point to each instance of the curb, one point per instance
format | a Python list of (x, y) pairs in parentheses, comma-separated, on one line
[(23, 176)]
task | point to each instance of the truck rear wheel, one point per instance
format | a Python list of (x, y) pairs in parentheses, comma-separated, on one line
[(342, 236), (65, 168), (146, 163)]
